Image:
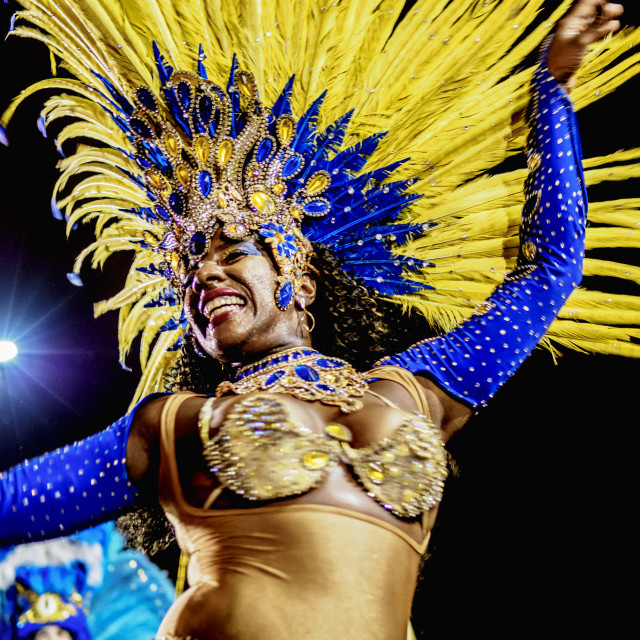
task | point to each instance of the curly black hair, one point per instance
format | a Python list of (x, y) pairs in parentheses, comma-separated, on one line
[(352, 322)]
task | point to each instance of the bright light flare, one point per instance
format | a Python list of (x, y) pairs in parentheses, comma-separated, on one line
[(8, 350)]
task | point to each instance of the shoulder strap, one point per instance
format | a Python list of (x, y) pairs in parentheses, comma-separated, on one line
[(170, 490), (404, 378)]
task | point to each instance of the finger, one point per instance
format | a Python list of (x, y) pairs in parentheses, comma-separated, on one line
[(593, 34)]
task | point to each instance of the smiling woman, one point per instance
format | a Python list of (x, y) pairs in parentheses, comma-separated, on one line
[(297, 442)]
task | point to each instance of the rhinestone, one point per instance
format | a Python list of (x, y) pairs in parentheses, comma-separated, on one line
[(262, 202), (224, 152), (339, 432), (202, 149), (318, 183), (315, 459)]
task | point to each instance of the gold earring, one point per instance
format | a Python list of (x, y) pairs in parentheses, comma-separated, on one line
[(307, 314)]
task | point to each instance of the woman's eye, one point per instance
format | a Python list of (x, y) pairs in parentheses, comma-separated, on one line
[(235, 255), (241, 251)]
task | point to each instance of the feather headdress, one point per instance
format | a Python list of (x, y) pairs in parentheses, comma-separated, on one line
[(446, 80)]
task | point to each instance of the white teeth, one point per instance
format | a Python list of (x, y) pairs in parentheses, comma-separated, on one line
[(221, 304)]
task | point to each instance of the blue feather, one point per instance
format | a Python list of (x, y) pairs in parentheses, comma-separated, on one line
[(306, 129), (329, 140), (391, 210), (353, 159), (124, 105), (282, 105), (202, 72), (395, 286), (164, 69), (234, 95)]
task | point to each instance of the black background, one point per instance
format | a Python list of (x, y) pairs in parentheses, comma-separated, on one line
[(534, 532)]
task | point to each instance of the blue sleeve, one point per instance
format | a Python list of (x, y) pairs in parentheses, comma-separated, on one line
[(69, 489), (474, 360)]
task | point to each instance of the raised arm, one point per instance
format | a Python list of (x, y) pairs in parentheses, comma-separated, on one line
[(472, 362), (72, 488)]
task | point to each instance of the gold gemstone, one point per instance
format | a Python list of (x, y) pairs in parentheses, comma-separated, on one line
[(175, 261), (246, 85), (263, 202), (202, 148), (296, 213), (278, 188), (339, 432), (375, 472), (318, 183), (533, 162), (154, 180), (171, 143), (315, 459), (182, 171), (285, 129), (224, 152), (234, 230), (394, 471), (222, 199), (529, 250)]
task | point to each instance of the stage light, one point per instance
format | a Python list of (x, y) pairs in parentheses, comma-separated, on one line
[(8, 350)]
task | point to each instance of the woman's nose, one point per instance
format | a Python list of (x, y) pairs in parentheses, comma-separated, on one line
[(209, 271)]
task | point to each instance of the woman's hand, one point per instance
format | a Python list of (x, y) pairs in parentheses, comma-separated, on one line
[(587, 22)]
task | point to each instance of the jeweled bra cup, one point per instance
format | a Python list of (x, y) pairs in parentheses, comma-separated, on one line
[(261, 453)]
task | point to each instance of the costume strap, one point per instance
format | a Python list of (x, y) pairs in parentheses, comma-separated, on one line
[(404, 379)]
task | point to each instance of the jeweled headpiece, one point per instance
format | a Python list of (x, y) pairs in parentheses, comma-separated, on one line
[(214, 158), (186, 156)]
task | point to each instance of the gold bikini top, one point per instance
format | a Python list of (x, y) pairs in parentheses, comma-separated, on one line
[(261, 453)]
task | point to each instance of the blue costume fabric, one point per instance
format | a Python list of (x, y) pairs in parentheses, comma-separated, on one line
[(474, 360), (86, 483), (74, 487)]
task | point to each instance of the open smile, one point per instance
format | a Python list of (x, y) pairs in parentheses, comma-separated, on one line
[(217, 305)]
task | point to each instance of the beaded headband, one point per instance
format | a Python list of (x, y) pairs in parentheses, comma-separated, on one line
[(214, 158)]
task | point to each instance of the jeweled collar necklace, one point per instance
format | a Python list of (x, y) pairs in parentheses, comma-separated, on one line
[(304, 373)]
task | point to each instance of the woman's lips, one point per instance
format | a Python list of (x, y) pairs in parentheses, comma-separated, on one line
[(217, 305)]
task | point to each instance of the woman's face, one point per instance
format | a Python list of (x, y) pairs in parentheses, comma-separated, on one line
[(231, 305), (52, 632)]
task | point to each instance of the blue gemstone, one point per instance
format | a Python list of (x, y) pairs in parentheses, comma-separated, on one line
[(285, 293), (198, 244), (184, 95), (328, 364), (140, 127), (204, 183), (146, 98), (176, 202), (274, 377), (316, 208), (306, 373), (264, 149), (205, 109), (163, 213), (325, 387), (291, 166)]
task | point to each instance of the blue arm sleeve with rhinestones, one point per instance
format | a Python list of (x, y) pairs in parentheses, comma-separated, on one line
[(69, 489), (475, 359)]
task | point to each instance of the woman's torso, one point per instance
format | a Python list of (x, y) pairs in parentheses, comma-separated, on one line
[(310, 565)]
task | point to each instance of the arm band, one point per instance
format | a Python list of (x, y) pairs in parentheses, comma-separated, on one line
[(474, 360)]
